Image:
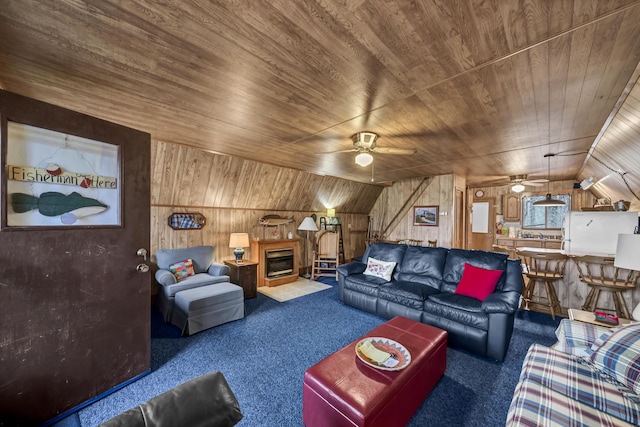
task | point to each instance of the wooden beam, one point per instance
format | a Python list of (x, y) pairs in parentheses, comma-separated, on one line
[(424, 184)]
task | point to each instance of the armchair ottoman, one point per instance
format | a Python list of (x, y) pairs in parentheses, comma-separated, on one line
[(202, 308)]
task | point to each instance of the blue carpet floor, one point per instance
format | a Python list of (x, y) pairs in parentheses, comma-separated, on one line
[(264, 356)]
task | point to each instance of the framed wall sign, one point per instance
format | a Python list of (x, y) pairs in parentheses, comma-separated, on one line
[(53, 179), (425, 215)]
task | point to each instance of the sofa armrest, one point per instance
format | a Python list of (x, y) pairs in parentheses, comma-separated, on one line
[(351, 268), (203, 401), (216, 269), (501, 302), (165, 277)]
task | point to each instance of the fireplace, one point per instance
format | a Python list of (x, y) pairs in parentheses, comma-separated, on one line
[(278, 262)]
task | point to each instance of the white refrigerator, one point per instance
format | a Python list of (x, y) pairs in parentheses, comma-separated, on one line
[(595, 233)]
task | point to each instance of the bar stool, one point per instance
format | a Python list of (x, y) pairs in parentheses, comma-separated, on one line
[(432, 243), (600, 275), (544, 268)]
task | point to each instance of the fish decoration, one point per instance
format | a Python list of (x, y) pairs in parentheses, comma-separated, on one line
[(70, 207), (273, 220)]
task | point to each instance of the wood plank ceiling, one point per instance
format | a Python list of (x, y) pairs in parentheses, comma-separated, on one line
[(480, 88)]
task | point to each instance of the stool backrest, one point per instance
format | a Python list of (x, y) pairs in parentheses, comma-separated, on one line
[(598, 270), (550, 265)]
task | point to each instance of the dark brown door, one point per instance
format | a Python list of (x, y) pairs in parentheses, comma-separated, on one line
[(74, 316)]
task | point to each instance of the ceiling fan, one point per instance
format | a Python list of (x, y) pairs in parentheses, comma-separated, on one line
[(365, 143), (518, 182)]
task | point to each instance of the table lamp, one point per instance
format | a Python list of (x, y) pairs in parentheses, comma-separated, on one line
[(308, 224), (239, 241), (628, 256)]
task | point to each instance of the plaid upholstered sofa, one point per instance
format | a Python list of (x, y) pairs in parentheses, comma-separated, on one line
[(590, 377)]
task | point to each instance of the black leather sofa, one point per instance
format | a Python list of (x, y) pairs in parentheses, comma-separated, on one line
[(423, 286)]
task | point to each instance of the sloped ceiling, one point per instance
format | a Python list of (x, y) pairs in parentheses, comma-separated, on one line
[(614, 161), (480, 89)]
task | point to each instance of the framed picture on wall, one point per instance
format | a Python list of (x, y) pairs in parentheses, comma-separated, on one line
[(425, 215), (53, 179)]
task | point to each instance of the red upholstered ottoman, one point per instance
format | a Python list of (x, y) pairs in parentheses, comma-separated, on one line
[(341, 390)]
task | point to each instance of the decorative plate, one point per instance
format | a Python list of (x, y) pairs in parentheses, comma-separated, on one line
[(397, 351)]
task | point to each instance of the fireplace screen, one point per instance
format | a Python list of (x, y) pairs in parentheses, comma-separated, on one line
[(278, 262)]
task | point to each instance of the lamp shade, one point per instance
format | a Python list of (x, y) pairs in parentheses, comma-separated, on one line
[(308, 224), (364, 159), (628, 252), (331, 213), (239, 240)]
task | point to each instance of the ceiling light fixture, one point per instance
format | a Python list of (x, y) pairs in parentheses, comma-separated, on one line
[(365, 139), (517, 188), (364, 159), (548, 201)]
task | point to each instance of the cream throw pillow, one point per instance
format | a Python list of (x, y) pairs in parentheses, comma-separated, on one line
[(382, 269)]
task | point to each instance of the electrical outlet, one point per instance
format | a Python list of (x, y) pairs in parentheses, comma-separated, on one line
[(349, 226)]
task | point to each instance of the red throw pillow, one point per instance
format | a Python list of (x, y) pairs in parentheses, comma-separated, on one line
[(478, 282)]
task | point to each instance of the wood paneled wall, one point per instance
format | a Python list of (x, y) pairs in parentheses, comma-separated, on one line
[(438, 192), (233, 194)]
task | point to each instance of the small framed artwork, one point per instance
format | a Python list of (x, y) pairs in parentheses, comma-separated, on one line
[(187, 221), (425, 215)]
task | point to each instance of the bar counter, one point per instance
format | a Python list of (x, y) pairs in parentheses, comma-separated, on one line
[(572, 292)]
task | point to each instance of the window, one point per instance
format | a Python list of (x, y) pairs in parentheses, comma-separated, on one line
[(544, 216)]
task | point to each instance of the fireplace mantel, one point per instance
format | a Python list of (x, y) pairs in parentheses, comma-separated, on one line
[(258, 249)]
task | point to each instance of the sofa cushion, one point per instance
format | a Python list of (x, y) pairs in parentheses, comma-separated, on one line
[(390, 252), (382, 269), (576, 337), (364, 284), (195, 281), (477, 282), (456, 258), (460, 308), (423, 265), (202, 257), (619, 356), (558, 388), (409, 294)]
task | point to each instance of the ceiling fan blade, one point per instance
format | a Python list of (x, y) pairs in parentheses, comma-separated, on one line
[(391, 150), (350, 150), (532, 183), (536, 181)]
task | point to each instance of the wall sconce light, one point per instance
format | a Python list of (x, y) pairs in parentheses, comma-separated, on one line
[(331, 213), (364, 159), (587, 183)]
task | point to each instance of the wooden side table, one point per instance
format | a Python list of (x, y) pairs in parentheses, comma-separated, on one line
[(245, 275), (589, 317)]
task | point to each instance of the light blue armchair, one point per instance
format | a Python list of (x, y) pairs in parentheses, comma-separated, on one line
[(207, 272)]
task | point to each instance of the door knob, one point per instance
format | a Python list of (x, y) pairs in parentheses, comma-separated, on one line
[(142, 268), (143, 253)]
